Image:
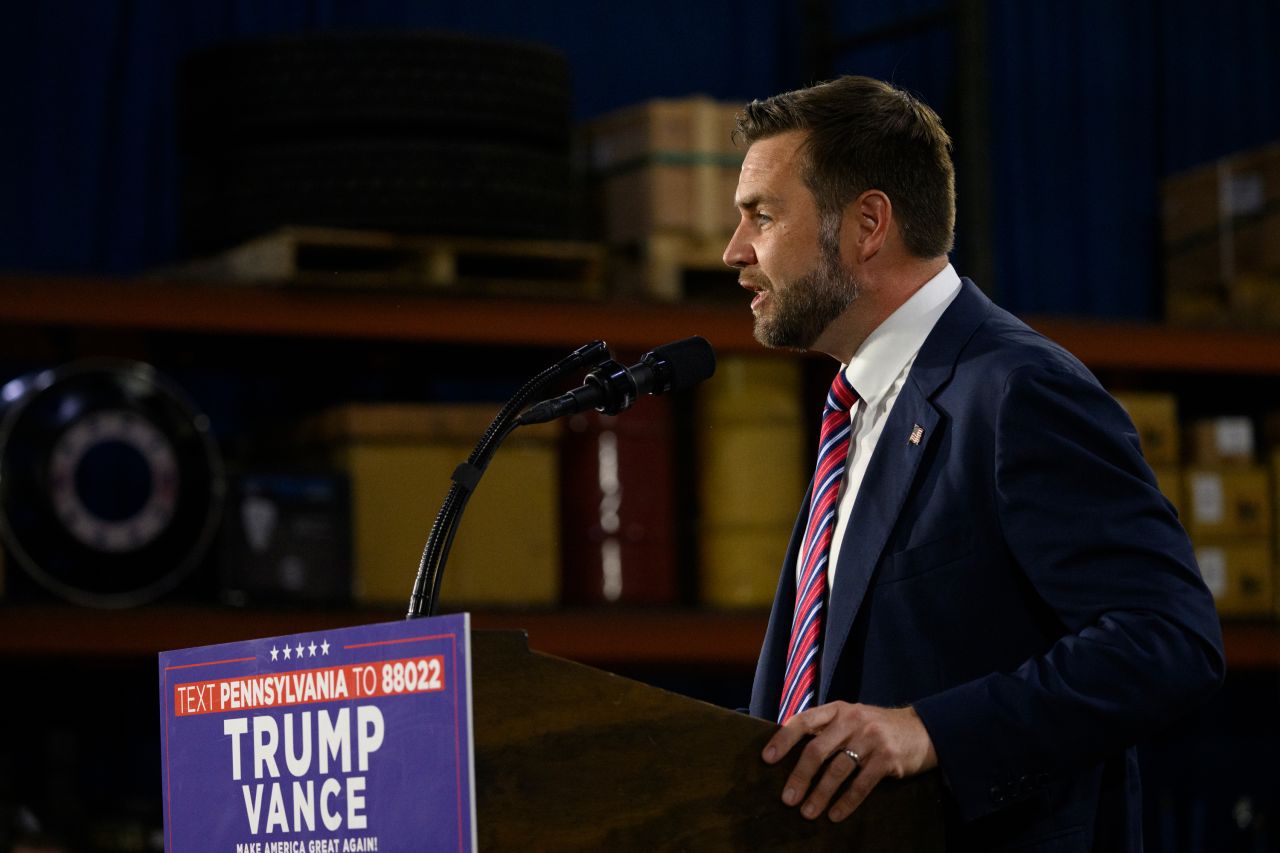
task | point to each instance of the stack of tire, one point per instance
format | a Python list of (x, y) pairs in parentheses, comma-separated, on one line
[(413, 132)]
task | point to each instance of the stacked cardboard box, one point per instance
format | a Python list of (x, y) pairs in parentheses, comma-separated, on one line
[(1221, 226), (664, 174), (1229, 516), (1223, 498)]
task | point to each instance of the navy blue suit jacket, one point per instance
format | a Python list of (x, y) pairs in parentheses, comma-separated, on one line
[(1017, 577)]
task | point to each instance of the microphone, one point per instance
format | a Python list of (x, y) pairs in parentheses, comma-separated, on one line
[(612, 388)]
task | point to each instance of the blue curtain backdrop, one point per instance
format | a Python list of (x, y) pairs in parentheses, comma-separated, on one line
[(1091, 102), (1074, 128)]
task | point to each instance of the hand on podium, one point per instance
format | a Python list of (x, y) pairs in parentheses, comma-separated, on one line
[(859, 741)]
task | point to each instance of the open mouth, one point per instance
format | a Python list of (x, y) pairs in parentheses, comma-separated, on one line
[(760, 294)]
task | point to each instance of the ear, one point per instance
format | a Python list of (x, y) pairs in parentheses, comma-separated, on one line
[(871, 217)]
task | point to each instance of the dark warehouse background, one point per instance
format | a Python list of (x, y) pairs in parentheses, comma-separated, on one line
[(1066, 116)]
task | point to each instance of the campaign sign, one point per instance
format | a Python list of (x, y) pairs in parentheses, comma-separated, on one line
[(356, 739)]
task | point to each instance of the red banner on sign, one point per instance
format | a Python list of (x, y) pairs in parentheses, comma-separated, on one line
[(326, 684)]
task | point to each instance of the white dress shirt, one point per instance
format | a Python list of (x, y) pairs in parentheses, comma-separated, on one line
[(877, 372)]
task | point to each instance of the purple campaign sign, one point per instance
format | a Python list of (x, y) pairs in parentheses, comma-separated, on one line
[(355, 739)]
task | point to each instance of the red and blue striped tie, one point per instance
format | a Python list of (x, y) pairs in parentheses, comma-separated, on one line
[(799, 685)]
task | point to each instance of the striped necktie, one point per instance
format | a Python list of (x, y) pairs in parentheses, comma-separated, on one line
[(799, 685)]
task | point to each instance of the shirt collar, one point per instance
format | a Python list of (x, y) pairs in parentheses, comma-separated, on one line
[(896, 341)]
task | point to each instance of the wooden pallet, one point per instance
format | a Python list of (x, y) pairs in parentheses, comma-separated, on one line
[(676, 266), (337, 257)]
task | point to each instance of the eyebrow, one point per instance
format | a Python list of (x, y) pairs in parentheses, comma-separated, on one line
[(755, 200)]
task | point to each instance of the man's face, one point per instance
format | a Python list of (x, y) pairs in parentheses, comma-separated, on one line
[(785, 257)]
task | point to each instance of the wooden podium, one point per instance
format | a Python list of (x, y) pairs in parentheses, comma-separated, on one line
[(572, 758)]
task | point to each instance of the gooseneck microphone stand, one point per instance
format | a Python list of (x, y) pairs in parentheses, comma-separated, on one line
[(426, 586)]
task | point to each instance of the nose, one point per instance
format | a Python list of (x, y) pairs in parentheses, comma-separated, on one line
[(739, 253)]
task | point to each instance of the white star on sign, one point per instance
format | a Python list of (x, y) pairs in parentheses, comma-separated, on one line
[(299, 649), (324, 647), (312, 648), (288, 652), (275, 653)]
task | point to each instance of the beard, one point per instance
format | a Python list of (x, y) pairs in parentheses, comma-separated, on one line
[(803, 308)]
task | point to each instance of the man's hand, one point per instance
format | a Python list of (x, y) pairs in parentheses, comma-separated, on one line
[(888, 742)]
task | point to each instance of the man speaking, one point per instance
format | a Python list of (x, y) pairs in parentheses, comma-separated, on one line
[(984, 577)]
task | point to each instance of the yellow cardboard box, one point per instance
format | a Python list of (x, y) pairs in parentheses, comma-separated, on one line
[(1222, 441), (1241, 576), (1156, 418), (400, 459), (1228, 502)]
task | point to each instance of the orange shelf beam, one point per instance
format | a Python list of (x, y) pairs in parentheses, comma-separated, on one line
[(1137, 346), (363, 314), (594, 636), (603, 637), (374, 314)]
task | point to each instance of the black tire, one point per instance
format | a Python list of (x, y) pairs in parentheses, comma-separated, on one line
[(424, 187), (111, 486), (398, 83)]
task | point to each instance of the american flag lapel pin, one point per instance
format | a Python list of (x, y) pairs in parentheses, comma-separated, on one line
[(917, 433)]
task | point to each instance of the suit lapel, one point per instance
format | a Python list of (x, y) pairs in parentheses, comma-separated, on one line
[(884, 489), (912, 425)]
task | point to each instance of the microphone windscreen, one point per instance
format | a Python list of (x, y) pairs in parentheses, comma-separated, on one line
[(690, 361)]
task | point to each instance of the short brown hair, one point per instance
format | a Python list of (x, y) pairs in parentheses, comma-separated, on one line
[(867, 134)]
